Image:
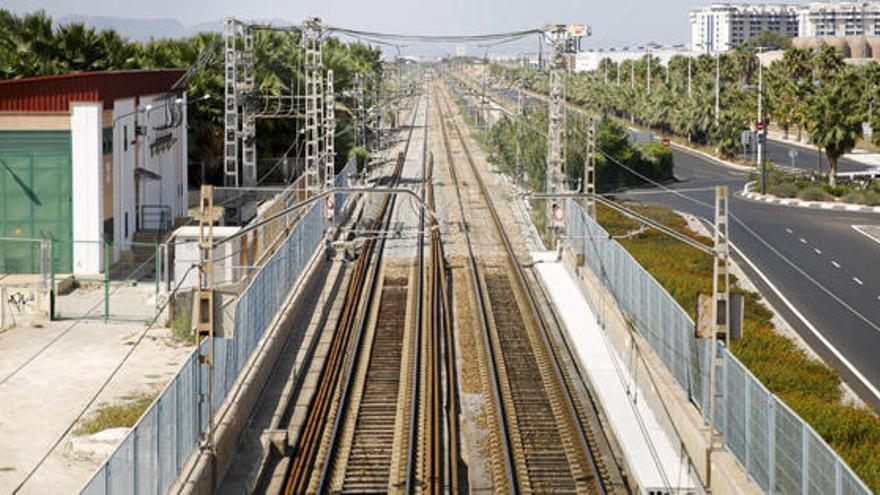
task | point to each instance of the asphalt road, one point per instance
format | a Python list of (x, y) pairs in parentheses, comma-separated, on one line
[(808, 159), (821, 265), (813, 267)]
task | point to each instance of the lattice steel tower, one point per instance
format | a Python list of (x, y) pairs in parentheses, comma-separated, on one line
[(314, 65)]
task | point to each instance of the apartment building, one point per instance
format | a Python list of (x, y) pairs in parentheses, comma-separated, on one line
[(721, 27), (839, 19)]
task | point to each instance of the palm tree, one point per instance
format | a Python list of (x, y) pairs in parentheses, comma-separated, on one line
[(835, 117)]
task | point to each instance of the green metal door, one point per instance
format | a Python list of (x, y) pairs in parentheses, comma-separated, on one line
[(35, 198)]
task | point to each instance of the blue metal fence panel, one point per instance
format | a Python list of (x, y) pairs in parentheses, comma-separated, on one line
[(151, 456), (779, 451)]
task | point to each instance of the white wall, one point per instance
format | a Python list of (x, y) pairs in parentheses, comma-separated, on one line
[(169, 163), (86, 120), (123, 178)]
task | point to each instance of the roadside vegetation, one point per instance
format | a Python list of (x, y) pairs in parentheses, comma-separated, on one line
[(120, 415), (805, 91), (810, 387), (528, 159), (33, 45), (809, 187)]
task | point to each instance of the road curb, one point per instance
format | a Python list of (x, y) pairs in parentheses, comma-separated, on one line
[(747, 193)]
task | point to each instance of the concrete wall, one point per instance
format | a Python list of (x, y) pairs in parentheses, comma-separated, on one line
[(124, 155), (167, 161), (87, 190)]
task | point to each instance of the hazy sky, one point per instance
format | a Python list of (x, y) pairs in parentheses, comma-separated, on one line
[(614, 22)]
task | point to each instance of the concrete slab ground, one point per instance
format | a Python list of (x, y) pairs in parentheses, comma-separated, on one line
[(656, 461), (49, 373)]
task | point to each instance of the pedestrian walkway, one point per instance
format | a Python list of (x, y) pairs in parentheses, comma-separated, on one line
[(658, 462)]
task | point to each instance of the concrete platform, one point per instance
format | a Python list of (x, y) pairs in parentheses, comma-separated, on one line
[(48, 374), (657, 462)]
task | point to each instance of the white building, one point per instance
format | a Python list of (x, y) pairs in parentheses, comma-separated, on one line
[(90, 158), (839, 19), (721, 27), (590, 60)]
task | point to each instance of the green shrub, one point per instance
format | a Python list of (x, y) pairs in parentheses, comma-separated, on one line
[(181, 327), (813, 193), (836, 191), (808, 386), (869, 198), (783, 190)]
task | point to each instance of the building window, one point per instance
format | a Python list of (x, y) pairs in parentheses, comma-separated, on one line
[(107, 140), (126, 224), (125, 138)]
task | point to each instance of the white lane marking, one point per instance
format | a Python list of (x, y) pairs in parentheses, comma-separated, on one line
[(870, 231), (871, 388), (789, 231), (836, 264), (817, 250), (856, 280), (803, 241)]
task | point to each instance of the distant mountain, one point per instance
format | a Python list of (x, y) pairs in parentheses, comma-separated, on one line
[(146, 29)]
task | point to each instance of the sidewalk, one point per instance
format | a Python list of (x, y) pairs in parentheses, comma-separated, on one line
[(864, 157), (658, 463)]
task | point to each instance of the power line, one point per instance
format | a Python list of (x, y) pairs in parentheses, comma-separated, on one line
[(103, 386)]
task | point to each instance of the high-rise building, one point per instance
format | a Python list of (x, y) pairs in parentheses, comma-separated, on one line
[(722, 26), (839, 19)]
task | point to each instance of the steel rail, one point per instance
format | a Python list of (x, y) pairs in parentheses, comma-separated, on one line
[(350, 373), (521, 279), (503, 426), (306, 452)]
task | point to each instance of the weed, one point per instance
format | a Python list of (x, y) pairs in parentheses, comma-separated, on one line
[(123, 415)]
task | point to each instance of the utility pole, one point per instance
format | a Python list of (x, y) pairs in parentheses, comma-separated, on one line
[(519, 115), (230, 91), (314, 65), (720, 311), (556, 147), (239, 121), (717, 88), (329, 135), (690, 82), (248, 112), (204, 317), (590, 169), (762, 131), (360, 126), (632, 74)]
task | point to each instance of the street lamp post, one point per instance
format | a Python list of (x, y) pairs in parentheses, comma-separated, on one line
[(762, 132), (690, 84), (717, 88)]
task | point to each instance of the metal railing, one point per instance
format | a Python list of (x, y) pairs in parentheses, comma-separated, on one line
[(151, 457), (780, 452), (156, 217)]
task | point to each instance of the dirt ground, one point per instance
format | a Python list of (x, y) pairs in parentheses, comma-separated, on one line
[(49, 373)]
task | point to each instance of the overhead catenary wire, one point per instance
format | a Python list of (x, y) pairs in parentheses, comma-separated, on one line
[(103, 386)]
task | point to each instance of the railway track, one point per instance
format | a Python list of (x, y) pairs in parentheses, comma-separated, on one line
[(378, 423), (313, 460), (544, 437)]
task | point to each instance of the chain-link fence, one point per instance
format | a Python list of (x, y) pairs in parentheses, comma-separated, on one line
[(778, 450), (82, 279), (150, 458)]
